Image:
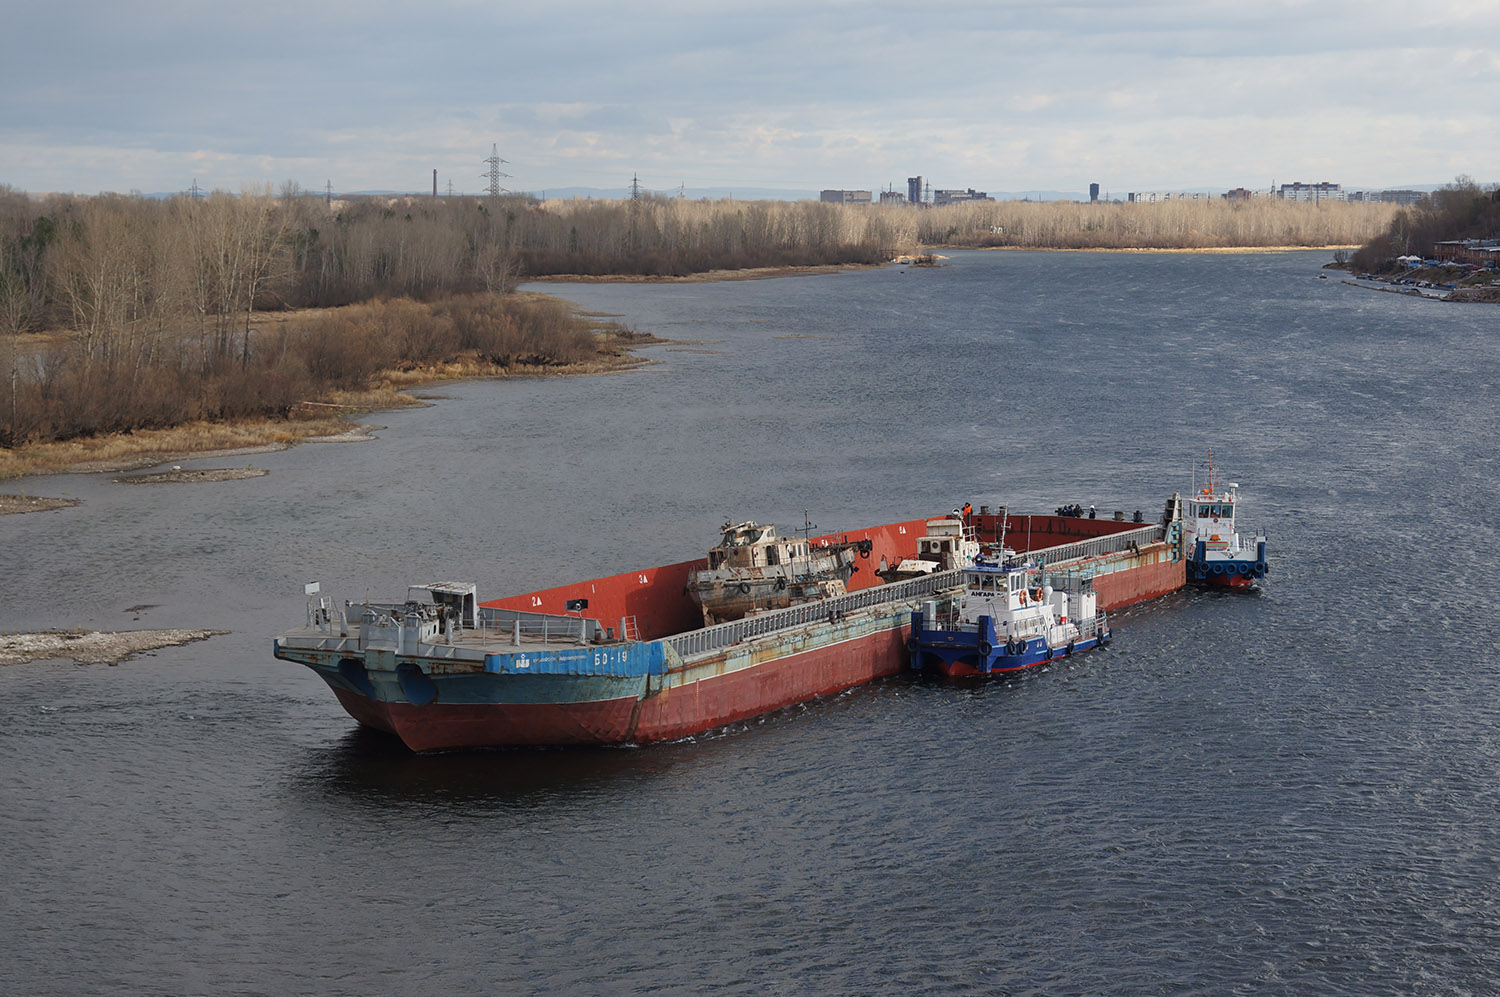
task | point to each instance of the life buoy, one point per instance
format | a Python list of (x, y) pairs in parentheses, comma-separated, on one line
[(1036, 595)]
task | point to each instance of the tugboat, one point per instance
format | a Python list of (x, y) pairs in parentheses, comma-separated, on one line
[(752, 570), (1005, 619), (949, 543), (1217, 555)]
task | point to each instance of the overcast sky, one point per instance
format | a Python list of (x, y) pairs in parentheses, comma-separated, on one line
[(150, 95)]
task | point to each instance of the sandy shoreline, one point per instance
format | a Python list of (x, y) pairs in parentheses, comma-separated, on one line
[(179, 476), (94, 647), (17, 504)]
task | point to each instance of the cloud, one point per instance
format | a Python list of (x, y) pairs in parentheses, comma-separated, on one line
[(1007, 95)]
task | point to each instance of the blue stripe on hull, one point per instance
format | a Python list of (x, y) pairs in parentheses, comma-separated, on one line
[(945, 655), (489, 687), (621, 661)]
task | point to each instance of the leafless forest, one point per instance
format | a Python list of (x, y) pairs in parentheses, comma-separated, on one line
[(122, 313), (1186, 224)]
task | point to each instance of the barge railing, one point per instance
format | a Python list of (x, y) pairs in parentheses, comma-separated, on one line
[(544, 627), (724, 634), (492, 624), (1091, 627), (1098, 546)]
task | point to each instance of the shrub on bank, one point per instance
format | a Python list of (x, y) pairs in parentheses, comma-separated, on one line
[(62, 394)]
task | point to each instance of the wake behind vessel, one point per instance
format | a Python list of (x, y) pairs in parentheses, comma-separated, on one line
[(626, 658)]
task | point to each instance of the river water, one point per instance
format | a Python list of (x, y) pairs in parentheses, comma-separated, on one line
[(1294, 791)]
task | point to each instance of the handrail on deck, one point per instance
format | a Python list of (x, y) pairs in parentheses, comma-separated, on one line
[(724, 634), (1110, 544)]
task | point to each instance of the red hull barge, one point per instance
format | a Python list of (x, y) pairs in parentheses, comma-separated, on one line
[(626, 658)]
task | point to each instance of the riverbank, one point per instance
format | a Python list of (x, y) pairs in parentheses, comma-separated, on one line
[(1451, 282), (707, 276), (324, 420)]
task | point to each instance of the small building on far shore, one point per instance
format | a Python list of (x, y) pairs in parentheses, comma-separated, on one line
[(1480, 252), (845, 197)]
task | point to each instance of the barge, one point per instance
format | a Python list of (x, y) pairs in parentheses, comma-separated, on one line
[(626, 659)]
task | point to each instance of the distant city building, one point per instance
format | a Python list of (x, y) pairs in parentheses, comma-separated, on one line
[(1310, 192), (959, 196), (845, 197), (1402, 197), (914, 190), (1155, 196), (1238, 194), (1093, 193), (892, 197)]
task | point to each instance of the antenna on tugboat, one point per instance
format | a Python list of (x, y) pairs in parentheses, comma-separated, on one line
[(807, 530)]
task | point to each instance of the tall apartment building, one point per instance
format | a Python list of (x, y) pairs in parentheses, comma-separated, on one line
[(1310, 192)]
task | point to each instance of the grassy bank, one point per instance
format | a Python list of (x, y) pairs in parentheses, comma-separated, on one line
[(302, 377)]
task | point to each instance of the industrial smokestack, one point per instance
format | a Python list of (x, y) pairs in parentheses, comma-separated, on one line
[(434, 183)]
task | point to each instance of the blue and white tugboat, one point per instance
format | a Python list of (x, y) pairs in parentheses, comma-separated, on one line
[(1004, 619), (1217, 555)]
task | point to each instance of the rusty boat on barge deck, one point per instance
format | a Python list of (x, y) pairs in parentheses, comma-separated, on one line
[(625, 659)]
